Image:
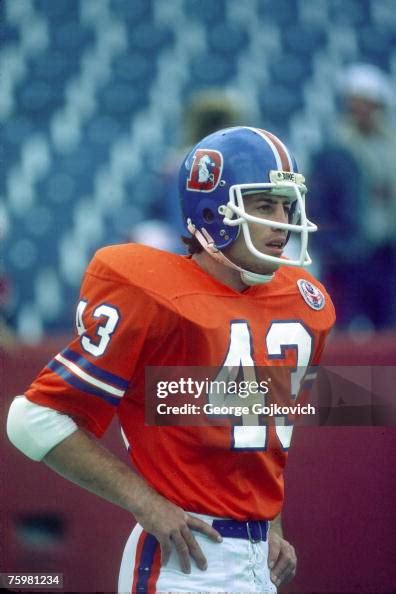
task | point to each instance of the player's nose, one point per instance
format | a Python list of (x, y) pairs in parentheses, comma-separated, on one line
[(280, 215)]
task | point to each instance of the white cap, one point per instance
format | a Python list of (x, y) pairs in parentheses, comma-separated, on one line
[(367, 81)]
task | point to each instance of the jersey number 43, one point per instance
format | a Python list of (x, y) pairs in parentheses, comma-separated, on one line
[(280, 338)]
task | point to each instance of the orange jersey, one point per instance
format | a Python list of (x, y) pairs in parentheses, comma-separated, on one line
[(143, 307)]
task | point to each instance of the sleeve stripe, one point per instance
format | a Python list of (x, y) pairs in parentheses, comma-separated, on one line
[(71, 379), (89, 378), (94, 370)]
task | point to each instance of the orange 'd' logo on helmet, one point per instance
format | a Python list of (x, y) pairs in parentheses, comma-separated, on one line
[(205, 171)]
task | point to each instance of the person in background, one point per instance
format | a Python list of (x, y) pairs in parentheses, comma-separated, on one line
[(205, 112), (354, 184)]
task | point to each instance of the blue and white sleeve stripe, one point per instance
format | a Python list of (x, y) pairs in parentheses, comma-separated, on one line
[(80, 373)]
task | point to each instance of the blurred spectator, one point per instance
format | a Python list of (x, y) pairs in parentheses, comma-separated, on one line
[(206, 112), (353, 188)]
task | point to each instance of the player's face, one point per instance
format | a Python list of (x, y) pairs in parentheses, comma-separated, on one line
[(269, 240), (366, 114)]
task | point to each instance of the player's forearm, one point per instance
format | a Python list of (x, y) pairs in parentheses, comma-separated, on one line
[(85, 462), (276, 525)]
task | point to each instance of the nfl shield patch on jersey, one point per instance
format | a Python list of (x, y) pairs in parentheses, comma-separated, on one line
[(311, 294)]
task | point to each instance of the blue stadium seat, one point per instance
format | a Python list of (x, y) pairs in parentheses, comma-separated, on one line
[(3, 178), (282, 12), (149, 38), (58, 191), (122, 98), (71, 37), (134, 66), (374, 45), (119, 221), (8, 33), (79, 162), (290, 69), (38, 97), (80, 166), (103, 130), (349, 12), (211, 69), (226, 38), (21, 257), (15, 130), (99, 151), (206, 11), (278, 103), (58, 10), (38, 223), (133, 12), (55, 66), (303, 39)]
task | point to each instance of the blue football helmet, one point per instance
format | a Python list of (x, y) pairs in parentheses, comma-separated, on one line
[(224, 168)]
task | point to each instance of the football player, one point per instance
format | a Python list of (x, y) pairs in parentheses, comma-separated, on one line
[(207, 499)]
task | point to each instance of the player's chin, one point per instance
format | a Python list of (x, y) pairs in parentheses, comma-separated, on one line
[(257, 265), (264, 267), (270, 268), (267, 267)]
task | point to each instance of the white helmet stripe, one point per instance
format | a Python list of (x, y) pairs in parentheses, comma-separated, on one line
[(284, 153), (280, 152)]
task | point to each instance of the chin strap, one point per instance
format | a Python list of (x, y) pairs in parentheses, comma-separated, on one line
[(207, 242), (252, 278)]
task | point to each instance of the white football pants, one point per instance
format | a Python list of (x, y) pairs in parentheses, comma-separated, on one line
[(234, 565)]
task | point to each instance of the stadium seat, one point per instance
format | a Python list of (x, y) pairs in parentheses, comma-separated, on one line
[(71, 37), (134, 67), (290, 69), (211, 69), (14, 131), (374, 44), (9, 33), (206, 11), (103, 130), (278, 103), (58, 11), (54, 66), (149, 38), (349, 12), (282, 12), (36, 97), (121, 98), (132, 12), (59, 190), (303, 40), (225, 38)]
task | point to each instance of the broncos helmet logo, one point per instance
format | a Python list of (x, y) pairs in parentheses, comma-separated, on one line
[(204, 174), (206, 169)]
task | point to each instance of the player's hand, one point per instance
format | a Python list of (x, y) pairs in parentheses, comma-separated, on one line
[(172, 526), (282, 559)]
